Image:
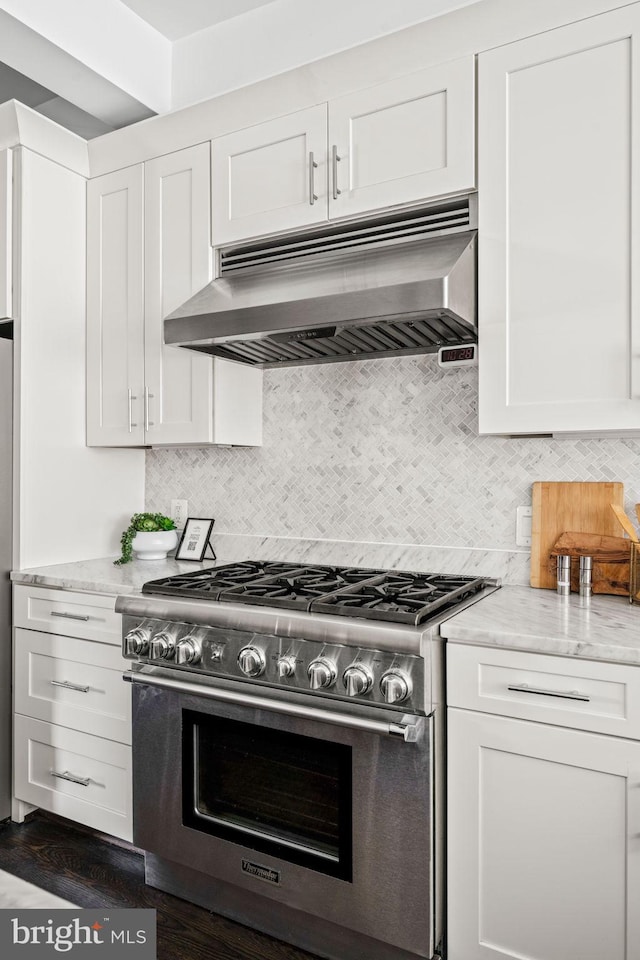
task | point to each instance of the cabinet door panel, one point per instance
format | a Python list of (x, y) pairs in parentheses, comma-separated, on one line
[(73, 774), (177, 265), (403, 141), (543, 828), (73, 683), (558, 128), (90, 616), (261, 177), (115, 296)]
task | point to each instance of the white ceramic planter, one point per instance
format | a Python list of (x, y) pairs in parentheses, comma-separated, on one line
[(153, 545)]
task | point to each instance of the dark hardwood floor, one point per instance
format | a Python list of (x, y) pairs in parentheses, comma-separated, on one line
[(92, 871)]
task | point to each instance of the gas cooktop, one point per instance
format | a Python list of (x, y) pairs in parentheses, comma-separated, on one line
[(399, 596)]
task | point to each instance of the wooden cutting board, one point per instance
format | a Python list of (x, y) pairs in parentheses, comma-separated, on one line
[(580, 507)]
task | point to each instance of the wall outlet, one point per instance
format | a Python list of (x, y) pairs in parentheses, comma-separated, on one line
[(523, 526), (179, 512)]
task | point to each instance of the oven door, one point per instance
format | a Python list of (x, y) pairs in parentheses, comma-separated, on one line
[(324, 807)]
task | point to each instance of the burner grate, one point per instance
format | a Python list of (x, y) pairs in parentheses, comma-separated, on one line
[(299, 589), (398, 596), (210, 583), (401, 598)]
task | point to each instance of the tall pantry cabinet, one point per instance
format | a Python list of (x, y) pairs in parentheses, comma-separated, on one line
[(70, 502)]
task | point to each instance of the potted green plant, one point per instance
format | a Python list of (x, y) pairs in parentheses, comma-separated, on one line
[(149, 535)]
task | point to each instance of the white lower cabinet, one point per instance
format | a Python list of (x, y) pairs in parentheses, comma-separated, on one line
[(73, 774), (75, 683), (72, 710), (543, 838)]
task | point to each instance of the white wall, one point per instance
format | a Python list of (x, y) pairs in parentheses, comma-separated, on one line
[(285, 34)]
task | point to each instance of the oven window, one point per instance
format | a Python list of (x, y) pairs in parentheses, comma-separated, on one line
[(269, 790)]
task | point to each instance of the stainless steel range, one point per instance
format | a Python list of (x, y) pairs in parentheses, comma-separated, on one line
[(288, 749)]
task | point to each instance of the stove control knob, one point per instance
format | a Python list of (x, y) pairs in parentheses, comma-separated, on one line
[(188, 650), (137, 642), (251, 661), (286, 667), (162, 647), (357, 679), (395, 686), (322, 673)]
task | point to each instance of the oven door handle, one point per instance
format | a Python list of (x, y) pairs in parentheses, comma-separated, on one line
[(407, 728)]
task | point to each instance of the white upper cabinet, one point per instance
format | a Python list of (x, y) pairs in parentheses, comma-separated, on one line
[(404, 140), (558, 162), (6, 227), (115, 299), (177, 263), (399, 142), (141, 391), (270, 177)]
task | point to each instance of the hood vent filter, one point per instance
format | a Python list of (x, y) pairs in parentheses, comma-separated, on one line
[(453, 216)]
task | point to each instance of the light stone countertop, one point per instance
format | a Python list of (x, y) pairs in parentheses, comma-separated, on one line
[(540, 621), (101, 576)]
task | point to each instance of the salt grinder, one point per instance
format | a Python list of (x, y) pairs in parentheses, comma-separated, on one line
[(564, 575), (586, 564)]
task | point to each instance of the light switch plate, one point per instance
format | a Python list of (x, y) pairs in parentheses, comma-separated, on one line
[(523, 526), (179, 513)]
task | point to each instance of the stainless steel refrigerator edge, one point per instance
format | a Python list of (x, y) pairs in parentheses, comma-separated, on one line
[(6, 523)]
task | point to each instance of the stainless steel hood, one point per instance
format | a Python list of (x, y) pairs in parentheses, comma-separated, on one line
[(393, 285)]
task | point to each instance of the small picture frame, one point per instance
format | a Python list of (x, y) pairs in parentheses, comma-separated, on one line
[(195, 539)]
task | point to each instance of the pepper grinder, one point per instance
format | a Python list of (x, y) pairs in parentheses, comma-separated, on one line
[(586, 566), (564, 575)]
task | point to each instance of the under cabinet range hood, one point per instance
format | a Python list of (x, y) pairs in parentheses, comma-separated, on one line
[(402, 284)]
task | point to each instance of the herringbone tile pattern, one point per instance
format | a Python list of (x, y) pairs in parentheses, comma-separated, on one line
[(382, 450)]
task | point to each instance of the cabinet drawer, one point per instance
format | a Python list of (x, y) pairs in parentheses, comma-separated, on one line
[(78, 776), (71, 682), (73, 614), (584, 694)]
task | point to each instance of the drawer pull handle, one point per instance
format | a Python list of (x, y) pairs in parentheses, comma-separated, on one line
[(563, 695), (83, 781), (69, 616), (69, 686)]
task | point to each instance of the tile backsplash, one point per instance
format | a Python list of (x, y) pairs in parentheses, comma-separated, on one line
[(383, 451)]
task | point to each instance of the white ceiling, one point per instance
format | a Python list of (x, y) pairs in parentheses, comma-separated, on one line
[(180, 19)]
